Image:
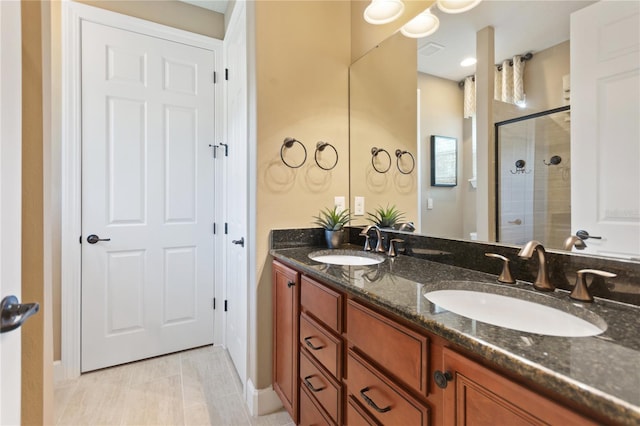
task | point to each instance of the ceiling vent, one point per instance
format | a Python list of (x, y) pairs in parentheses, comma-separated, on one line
[(430, 49)]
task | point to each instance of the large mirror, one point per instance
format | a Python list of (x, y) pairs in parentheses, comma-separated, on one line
[(386, 120)]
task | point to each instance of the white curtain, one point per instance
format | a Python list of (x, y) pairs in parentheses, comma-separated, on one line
[(509, 81), (469, 97)]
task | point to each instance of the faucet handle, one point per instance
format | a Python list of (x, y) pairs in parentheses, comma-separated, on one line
[(393, 249), (367, 243), (505, 275), (580, 290)]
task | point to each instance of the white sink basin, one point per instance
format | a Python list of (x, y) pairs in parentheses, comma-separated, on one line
[(346, 257), (516, 314)]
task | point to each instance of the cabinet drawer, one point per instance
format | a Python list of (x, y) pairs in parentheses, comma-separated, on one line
[(400, 351), (356, 415), (322, 303), (325, 347), (383, 399), (310, 414), (325, 389)]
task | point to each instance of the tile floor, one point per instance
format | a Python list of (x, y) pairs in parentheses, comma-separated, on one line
[(196, 387)]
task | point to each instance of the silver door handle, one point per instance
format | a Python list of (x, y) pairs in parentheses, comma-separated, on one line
[(14, 314), (93, 238), (516, 222), (239, 242)]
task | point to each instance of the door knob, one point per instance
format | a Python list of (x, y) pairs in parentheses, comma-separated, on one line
[(14, 314), (239, 242), (93, 238), (583, 235)]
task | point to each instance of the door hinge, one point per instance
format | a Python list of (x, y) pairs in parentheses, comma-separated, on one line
[(226, 228), (214, 228), (226, 74), (225, 306), (214, 303), (80, 239), (215, 77), (226, 149)]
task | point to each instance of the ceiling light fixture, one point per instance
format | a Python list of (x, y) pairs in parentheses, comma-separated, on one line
[(422, 25), (467, 62), (381, 12), (457, 6)]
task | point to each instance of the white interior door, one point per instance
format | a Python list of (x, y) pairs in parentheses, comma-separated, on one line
[(10, 201), (605, 130), (147, 193), (237, 244)]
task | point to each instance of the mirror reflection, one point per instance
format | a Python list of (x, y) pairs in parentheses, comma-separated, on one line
[(538, 32)]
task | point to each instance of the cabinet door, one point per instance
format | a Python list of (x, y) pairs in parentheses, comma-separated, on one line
[(286, 296), (479, 396)]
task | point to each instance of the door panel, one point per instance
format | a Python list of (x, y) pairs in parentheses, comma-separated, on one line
[(605, 131), (236, 195), (147, 191)]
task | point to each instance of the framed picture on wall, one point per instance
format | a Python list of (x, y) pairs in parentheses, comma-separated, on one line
[(444, 161)]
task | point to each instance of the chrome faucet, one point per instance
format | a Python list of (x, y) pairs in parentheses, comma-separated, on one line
[(576, 241), (367, 244), (542, 282)]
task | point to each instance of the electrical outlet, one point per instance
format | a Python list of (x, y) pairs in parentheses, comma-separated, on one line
[(340, 203), (359, 206)]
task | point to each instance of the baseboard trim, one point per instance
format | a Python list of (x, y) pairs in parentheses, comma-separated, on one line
[(262, 401), (58, 372)]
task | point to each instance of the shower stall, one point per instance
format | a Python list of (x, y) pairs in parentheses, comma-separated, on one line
[(533, 178)]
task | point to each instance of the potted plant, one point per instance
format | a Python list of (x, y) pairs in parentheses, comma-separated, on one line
[(385, 217), (333, 222)]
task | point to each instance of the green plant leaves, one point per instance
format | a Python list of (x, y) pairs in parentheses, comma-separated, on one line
[(385, 217), (332, 219)]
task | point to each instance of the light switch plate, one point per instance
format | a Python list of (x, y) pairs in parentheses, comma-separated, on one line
[(340, 203), (429, 203), (358, 206)]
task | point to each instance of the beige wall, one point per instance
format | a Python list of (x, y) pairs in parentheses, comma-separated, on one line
[(543, 77), (441, 104), (172, 13), (383, 114), (302, 63), (37, 368)]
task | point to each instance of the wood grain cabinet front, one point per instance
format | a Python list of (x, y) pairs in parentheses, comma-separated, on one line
[(324, 346), (322, 303), (323, 387), (310, 413), (286, 294), (476, 395), (384, 400), (394, 348)]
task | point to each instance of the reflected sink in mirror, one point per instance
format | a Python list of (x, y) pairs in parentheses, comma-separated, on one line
[(532, 316), (346, 257)]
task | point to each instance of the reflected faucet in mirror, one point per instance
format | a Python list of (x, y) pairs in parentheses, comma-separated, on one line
[(574, 241)]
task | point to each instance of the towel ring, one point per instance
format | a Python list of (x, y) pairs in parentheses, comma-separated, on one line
[(320, 146), (399, 155), (374, 153), (288, 143)]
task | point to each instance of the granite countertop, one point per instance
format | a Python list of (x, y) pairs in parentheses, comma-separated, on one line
[(601, 372)]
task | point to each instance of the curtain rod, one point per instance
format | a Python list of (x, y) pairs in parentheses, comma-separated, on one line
[(523, 58)]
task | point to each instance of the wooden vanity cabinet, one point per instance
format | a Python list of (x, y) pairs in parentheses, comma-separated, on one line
[(321, 349), (477, 395), (286, 297), (350, 362)]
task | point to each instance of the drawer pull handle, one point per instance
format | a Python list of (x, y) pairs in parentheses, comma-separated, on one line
[(307, 340), (310, 386), (290, 284), (371, 403)]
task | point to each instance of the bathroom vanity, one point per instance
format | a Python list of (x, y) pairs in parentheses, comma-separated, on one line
[(363, 345)]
